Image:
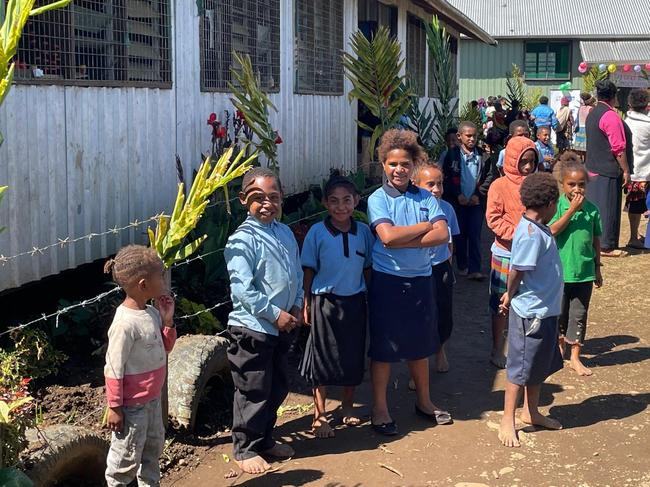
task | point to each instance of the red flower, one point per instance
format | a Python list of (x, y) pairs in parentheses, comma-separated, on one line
[(25, 381), (278, 139), (239, 114), (220, 133), (212, 118)]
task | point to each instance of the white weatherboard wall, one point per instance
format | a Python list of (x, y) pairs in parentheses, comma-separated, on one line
[(82, 160)]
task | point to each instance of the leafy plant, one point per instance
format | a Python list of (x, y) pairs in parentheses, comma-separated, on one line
[(419, 119), (374, 70), (593, 76), (253, 104), (444, 76), (516, 87), (172, 231), (202, 324), (472, 114)]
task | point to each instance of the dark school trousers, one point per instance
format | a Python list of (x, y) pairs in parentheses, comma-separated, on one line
[(468, 242), (258, 364)]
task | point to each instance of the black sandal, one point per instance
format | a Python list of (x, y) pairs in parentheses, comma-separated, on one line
[(386, 429)]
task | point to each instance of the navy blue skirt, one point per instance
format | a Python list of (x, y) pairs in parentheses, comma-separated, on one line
[(403, 318), (532, 358)]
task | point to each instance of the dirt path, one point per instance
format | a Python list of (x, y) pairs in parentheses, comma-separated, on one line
[(607, 422)]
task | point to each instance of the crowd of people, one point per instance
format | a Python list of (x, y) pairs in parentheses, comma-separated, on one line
[(385, 289)]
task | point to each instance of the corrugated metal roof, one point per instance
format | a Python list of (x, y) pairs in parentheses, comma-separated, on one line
[(616, 52), (559, 18)]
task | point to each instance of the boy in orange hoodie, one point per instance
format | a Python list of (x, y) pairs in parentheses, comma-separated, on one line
[(503, 212)]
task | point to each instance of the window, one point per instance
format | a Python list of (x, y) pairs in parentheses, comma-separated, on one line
[(547, 60), (98, 42), (373, 14), (433, 87), (318, 47), (247, 26), (416, 53)]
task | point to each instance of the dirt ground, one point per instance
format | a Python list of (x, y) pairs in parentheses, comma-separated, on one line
[(606, 420)]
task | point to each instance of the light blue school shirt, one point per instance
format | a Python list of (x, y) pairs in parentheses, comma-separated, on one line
[(441, 253), (469, 170), (535, 252), (338, 258), (502, 156), (544, 150), (263, 264), (544, 116), (389, 205)]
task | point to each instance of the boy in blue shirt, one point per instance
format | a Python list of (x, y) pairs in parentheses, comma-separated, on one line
[(543, 115), (263, 264), (534, 300), (545, 150)]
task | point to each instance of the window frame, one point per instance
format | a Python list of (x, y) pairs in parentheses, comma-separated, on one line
[(421, 27), (166, 62), (560, 42), (339, 75), (209, 89)]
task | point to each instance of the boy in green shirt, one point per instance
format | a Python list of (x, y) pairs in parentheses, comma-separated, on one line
[(577, 229)]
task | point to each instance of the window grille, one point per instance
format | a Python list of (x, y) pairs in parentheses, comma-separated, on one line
[(98, 42), (318, 47), (548, 60), (249, 27), (433, 87), (416, 52)]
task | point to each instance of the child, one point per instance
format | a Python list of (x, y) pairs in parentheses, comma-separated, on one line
[(535, 295), (336, 262), (504, 209), (451, 141), (139, 339), (518, 128), (546, 152), (577, 229), (403, 327), (429, 177), (543, 115), (266, 287), (466, 169)]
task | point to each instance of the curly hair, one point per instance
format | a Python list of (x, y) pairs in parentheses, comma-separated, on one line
[(132, 263), (570, 162), (539, 190), (638, 100), (259, 172), (396, 139)]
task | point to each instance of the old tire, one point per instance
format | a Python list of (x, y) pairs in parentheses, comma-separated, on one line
[(72, 456), (194, 360)]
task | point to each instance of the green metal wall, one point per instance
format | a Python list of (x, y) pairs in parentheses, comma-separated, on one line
[(483, 68)]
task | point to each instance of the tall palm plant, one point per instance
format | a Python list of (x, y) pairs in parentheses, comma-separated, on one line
[(374, 69), (419, 119), (444, 76)]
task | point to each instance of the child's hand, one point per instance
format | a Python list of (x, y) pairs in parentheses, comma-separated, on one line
[(286, 321), (115, 419), (598, 282), (306, 312), (473, 201), (165, 305), (462, 200), (296, 312), (504, 305), (577, 201)]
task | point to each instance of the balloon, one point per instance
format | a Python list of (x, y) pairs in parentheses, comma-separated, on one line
[(565, 86), (611, 68), (647, 67), (627, 68), (583, 68), (637, 68), (602, 67)]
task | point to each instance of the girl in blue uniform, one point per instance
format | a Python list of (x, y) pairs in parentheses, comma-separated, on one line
[(336, 258), (403, 318)]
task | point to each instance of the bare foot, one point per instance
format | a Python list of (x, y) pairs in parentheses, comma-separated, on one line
[(580, 368), (538, 419), (380, 417), (253, 465), (321, 428), (411, 385), (442, 365), (508, 434), (280, 450), (498, 360)]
